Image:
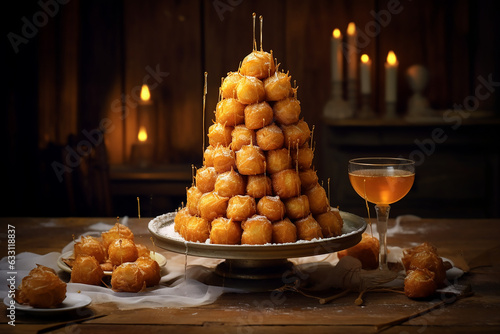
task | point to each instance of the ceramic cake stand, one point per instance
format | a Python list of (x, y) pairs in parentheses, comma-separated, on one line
[(268, 261)]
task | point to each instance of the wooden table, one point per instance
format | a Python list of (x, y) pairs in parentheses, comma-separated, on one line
[(473, 241)]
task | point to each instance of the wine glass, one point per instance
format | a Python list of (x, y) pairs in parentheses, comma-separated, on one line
[(382, 181)]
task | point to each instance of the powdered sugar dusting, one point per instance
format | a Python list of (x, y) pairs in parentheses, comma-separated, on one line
[(163, 226)]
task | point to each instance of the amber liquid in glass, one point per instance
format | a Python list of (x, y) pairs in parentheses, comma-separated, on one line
[(382, 186)]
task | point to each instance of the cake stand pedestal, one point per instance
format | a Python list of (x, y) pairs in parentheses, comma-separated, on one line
[(261, 264)]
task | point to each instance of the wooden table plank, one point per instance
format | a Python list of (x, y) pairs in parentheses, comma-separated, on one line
[(265, 313)]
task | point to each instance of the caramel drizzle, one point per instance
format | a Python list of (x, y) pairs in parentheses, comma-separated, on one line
[(121, 251), (204, 103), (254, 43), (329, 198), (261, 18), (312, 136), (138, 208), (154, 246), (192, 172)]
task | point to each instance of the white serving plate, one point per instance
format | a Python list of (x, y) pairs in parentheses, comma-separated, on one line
[(73, 301)]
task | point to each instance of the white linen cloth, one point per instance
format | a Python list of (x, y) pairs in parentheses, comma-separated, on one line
[(180, 293)]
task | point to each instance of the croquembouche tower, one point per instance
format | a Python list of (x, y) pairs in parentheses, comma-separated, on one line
[(257, 184)]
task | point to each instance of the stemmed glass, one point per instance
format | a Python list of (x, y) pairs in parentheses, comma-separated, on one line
[(382, 181)]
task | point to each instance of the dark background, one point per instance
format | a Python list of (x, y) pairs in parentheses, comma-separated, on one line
[(76, 60)]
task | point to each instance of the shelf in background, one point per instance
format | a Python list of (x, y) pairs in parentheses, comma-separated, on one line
[(161, 188)]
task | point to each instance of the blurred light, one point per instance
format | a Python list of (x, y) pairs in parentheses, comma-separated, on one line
[(143, 135), (391, 58), (351, 28), (145, 95)]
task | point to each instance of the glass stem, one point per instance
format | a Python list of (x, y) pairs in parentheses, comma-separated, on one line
[(382, 217)]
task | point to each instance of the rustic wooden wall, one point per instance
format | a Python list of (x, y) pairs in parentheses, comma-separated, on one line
[(165, 36), (87, 61), (104, 50)]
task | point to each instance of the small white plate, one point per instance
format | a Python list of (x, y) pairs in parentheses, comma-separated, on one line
[(73, 301), (162, 261)]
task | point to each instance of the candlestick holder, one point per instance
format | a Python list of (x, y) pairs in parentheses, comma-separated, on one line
[(366, 111), (143, 149), (142, 154), (418, 104), (337, 107)]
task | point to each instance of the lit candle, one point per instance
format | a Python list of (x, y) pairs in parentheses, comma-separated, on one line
[(391, 74), (142, 149), (364, 72), (145, 95), (145, 109), (336, 56), (352, 50), (142, 136), (145, 112)]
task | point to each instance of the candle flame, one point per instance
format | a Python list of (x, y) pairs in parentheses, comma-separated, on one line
[(365, 59), (336, 33), (145, 94), (391, 58), (351, 28), (143, 134)]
